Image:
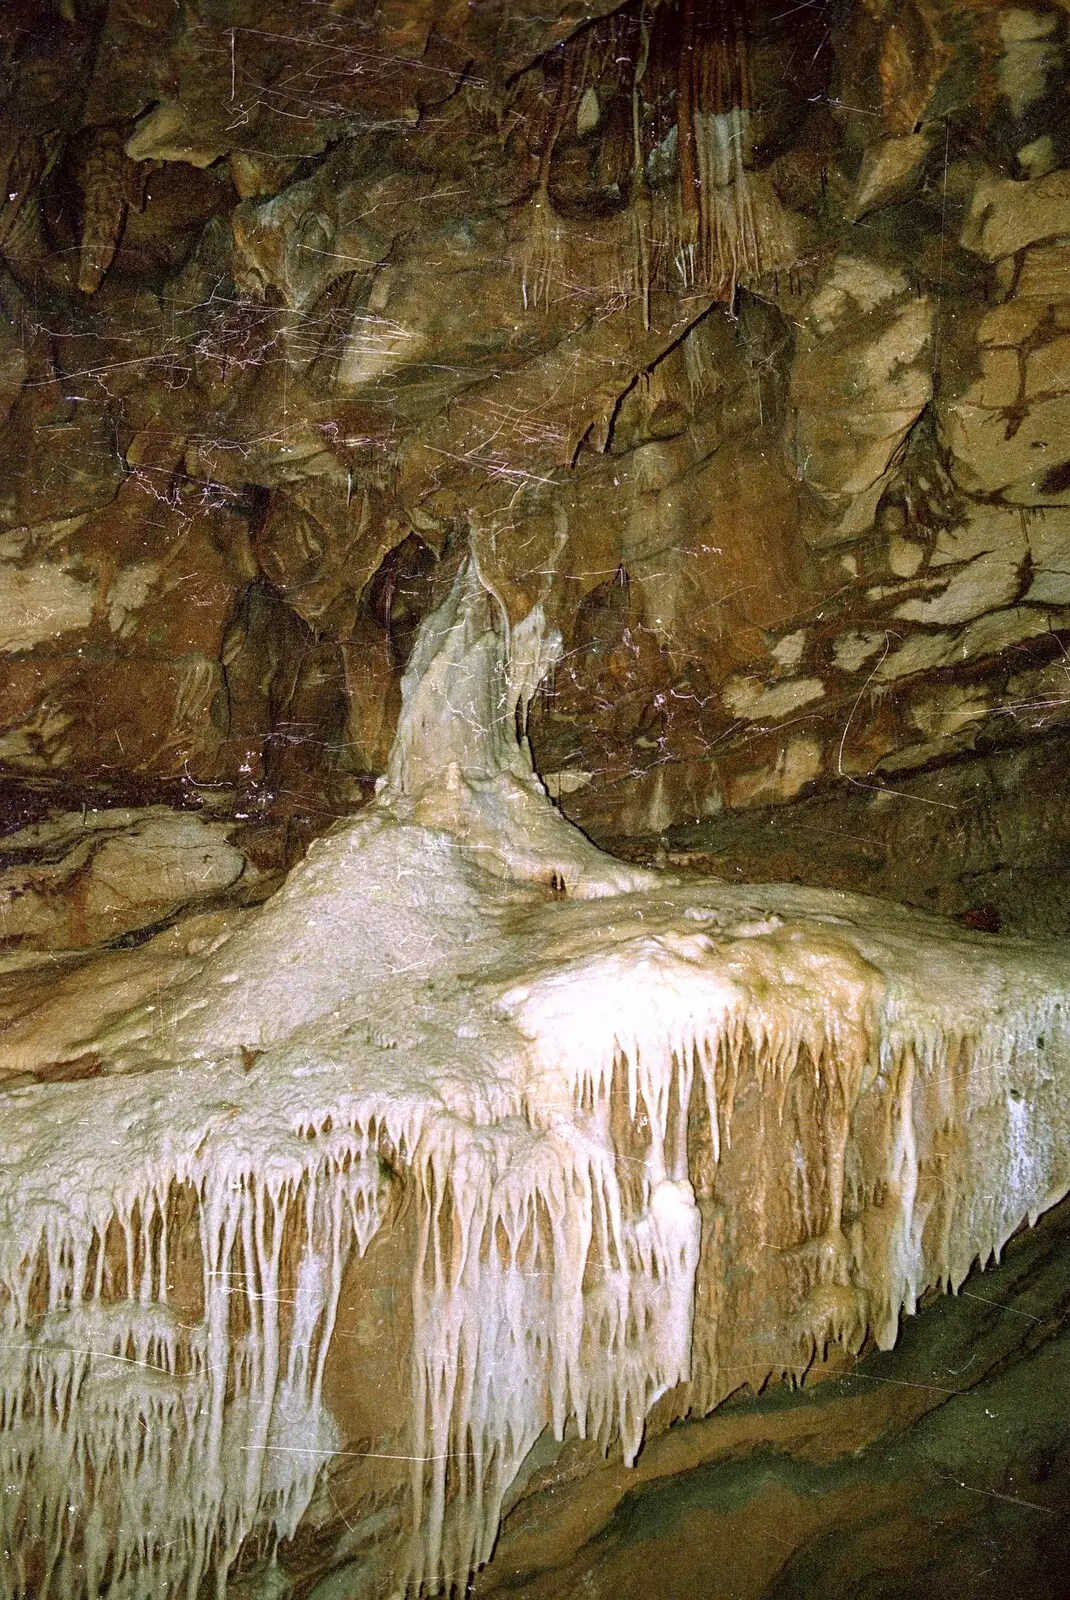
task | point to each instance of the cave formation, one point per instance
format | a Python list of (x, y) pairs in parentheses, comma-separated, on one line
[(534, 606)]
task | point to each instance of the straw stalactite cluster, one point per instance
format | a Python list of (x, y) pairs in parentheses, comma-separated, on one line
[(658, 101)]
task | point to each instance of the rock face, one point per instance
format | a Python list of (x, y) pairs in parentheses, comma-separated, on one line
[(408, 414), (746, 349)]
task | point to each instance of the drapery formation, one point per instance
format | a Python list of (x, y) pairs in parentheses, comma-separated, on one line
[(646, 1124)]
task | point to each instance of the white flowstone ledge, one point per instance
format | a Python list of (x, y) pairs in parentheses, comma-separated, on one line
[(399, 1013)]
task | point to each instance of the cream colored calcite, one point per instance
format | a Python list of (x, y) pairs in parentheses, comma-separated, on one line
[(39, 603), (556, 1085)]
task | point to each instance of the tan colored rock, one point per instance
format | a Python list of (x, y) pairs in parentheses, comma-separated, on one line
[(1047, 369), (167, 133), (905, 556), (1042, 698), (988, 531), (255, 175), (859, 378), (788, 651), (799, 762), (121, 870), (297, 241), (1049, 546), (1000, 381), (852, 285), (40, 603), (949, 709), (1006, 214), (990, 454), (919, 652), (907, 757), (1012, 323), (852, 650), (998, 630), (890, 170), (1039, 156), (656, 465), (746, 697), (1030, 55), (1045, 272), (739, 566), (987, 556)]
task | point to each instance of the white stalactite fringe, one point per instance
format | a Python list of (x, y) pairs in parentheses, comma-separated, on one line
[(142, 1448), (541, 1108)]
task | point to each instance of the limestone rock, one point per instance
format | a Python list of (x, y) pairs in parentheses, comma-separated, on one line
[(1047, 369), (167, 133), (890, 170), (991, 454), (859, 378), (746, 697), (987, 556), (1032, 53), (1045, 273), (1048, 532), (39, 603), (82, 879), (1006, 431), (852, 649), (1006, 214), (1011, 323), (998, 630)]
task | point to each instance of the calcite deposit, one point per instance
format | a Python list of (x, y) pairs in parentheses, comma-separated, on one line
[(567, 1114), (427, 431)]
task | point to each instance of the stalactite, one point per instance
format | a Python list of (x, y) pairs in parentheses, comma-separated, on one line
[(541, 1112), (695, 217), (104, 198)]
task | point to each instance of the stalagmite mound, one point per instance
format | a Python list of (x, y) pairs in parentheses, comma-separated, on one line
[(653, 1134)]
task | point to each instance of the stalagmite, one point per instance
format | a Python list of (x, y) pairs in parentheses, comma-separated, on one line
[(559, 1056)]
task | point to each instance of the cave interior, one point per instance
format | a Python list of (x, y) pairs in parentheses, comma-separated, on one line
[(534, 819)]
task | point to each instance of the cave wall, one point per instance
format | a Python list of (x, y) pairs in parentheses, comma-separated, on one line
[(298, 299)]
